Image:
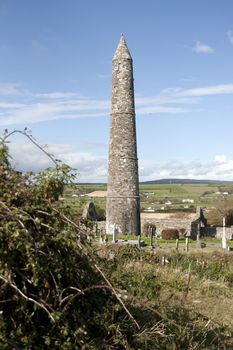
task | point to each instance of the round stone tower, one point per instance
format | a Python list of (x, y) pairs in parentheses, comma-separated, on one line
[(123, 204)]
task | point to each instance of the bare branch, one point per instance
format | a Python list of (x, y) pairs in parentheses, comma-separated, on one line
[(117, 296), (82, 291), (14, 215), (102, 274), (69, 221), (27, 298), (24, 133)]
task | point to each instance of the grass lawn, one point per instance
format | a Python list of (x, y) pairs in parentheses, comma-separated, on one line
[(200, 281), (193, 245)]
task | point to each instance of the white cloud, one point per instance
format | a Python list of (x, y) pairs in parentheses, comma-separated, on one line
[(230, 36), (20, 106), (202, 48), (31, 107), (93, 168), (208, 91), (220, 168), (35, 108), (27, 157), (220, 158), (177, 95), (164, 173), (57, 95)]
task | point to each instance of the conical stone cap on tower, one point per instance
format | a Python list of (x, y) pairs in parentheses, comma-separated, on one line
[(122, 50), (123, 204)]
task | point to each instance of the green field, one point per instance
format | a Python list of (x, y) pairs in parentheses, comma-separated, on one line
[(159, 197)]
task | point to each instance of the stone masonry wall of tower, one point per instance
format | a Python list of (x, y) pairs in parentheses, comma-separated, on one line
[(123, 204)]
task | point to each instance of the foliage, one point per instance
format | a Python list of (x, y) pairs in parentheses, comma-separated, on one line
[(156, 293), (170, 233), (51, 294), (52, 181), (207, 193), (222, 209), (226, 188), (100, 213)]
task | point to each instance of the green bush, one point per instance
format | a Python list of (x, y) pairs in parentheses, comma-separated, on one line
[(52, 295), (100, 213), (170, 234)]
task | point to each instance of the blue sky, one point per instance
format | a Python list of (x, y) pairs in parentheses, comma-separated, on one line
[(55, 79)]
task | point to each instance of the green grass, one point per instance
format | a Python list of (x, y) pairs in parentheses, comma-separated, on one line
[(166, 281), (176, 189), (154, 196), (211, 243)]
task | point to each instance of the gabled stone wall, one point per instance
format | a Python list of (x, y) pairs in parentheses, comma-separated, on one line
[(178, 224)]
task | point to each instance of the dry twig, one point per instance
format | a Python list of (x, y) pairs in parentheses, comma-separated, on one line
[(27, 298), (117, 296)]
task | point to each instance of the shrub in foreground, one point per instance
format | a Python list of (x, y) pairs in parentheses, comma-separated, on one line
[(170, 234)]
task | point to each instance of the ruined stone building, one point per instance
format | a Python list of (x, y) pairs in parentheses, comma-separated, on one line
[(187, 223), (123, 203)]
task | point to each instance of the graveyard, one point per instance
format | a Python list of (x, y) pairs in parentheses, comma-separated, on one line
[(182, 199)]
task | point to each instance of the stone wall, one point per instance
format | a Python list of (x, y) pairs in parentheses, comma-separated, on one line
[(188, 222), (217, 232), (178, 224)]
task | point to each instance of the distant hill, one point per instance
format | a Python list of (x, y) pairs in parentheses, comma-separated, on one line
[(167, 181), (185, 181)]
